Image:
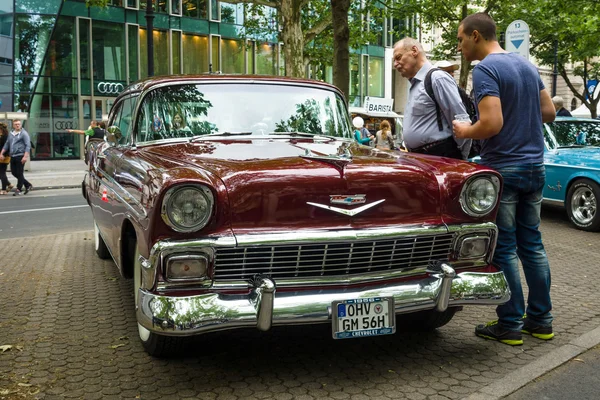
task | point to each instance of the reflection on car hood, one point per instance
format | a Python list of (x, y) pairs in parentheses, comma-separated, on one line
[(269, 182)]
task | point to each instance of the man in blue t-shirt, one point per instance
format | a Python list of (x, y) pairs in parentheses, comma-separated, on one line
[(513, 104)]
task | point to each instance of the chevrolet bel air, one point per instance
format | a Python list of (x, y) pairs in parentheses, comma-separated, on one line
[(243, 201)]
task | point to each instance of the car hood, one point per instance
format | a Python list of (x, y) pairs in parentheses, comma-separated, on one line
[(577, 156), (281, 184)]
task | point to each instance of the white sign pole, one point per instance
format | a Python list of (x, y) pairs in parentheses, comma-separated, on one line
[(516, 39)]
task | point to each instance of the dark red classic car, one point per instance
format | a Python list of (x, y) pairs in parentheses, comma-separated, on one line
[(242, 201)]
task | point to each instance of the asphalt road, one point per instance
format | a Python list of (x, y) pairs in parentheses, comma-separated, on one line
[(44, 212)]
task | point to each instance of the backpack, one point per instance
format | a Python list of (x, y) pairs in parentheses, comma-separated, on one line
[(467, 102)]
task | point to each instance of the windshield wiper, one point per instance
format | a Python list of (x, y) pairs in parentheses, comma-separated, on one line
[(571, 146)]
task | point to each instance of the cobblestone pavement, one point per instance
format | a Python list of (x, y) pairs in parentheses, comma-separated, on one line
[(70, 320)]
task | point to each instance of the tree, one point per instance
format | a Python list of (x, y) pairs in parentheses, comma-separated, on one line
[(292, 34), (574, 27), (341, 49)]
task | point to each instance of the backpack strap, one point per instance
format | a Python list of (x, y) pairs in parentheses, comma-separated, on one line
[(429, 91)]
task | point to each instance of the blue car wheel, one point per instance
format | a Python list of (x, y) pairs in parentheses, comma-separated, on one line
[(582, 205)]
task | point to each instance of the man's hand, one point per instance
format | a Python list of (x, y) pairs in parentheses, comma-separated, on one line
[(24, 159), (1, 157), (460, 129)]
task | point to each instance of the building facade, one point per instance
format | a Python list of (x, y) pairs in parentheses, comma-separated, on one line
[(63, 63)]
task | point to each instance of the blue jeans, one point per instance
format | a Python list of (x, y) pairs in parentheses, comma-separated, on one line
[(518, 221)]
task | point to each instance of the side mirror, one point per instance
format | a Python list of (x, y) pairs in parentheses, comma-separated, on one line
[(113, 134)]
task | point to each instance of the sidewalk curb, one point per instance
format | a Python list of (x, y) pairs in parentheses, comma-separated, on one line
[(526, 374), (36, 188)]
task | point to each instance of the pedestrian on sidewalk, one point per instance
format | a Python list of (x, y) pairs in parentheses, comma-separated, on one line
[(4, 163), (96, 132), (18, 147), (513, 104)]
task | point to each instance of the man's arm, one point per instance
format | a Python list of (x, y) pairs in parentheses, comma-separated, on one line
[(548, 111), (27, 145), (489, 124)]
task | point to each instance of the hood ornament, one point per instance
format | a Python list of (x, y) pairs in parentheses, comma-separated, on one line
[(350, 213), (347, 199), (338, 161)]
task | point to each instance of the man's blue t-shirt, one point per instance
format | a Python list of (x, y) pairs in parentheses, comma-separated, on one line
[(517, 83)]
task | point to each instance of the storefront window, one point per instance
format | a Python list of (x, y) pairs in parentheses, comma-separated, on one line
[(32, 35), (176, 51), (376, 77), (195, 54), (233, 56), (161, 53), (61, 58), (266, 59), (216, 51), (175, 7), (354, 95), (108, 51), (133, 51)]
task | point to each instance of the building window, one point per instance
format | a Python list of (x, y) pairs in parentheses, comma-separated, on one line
[(232, 13), (133, 52), (215, 9), (195, 54), (161, 52), (176, 51), (108, 51), (376, 77), (266, 61), (194, 8), (233, 56)]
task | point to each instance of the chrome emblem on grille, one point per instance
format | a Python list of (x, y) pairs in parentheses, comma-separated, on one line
[(350, 213), (349, 200)]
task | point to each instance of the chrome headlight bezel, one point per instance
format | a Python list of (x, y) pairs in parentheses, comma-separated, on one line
[(466, 204), (171, 194)]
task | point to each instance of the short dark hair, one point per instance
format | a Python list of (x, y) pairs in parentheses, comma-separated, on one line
[(480, 22)]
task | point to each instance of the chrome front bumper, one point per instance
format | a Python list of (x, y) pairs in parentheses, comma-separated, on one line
[(264, 307)]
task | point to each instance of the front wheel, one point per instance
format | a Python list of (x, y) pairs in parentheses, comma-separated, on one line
[(154, 344), (582, 205), (427, 320)]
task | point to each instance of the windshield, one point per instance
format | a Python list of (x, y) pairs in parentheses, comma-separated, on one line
[(574, 133), (239, 109)]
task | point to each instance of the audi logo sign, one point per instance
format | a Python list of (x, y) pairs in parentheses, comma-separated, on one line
[(63, 125), (110, 88)]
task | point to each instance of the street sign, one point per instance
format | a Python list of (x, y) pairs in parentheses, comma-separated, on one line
[(517, 38)]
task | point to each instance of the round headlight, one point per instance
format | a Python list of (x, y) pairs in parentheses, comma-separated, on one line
[(480, 195), (187, 208)]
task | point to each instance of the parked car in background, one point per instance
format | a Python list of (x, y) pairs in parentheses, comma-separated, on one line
[(572, 164), (243, 201)]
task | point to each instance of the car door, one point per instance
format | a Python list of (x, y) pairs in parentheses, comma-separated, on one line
[(557, 168)]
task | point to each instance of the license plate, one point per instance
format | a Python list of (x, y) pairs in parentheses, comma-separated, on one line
[(363, 317)]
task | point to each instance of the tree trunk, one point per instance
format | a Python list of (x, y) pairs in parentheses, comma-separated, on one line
[(464, 64), (292, 37), (341, 51)]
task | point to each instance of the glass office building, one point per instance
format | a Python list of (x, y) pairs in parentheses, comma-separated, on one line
[(64, 63)]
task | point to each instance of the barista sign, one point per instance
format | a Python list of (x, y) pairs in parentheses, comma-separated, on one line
[(378, 105)]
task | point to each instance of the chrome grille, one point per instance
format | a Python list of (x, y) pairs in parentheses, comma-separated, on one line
[(331, 259)]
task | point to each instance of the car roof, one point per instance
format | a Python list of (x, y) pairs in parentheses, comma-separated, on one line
[(162, 80)]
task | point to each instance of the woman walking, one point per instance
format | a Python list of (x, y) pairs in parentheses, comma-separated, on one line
[(6, 186)]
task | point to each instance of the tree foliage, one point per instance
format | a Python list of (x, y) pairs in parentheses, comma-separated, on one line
[(574, 27)]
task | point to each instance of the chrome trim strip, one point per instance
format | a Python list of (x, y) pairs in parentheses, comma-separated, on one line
[(185, 316), (553, 201), (112, 186)]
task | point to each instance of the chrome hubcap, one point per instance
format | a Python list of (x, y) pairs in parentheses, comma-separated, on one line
[(583, 205)]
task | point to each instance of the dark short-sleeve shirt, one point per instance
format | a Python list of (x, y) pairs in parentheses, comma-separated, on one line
[(517, 83)]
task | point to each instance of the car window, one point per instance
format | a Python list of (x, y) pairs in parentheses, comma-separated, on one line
[(125, 119), (576, 133), (253, 108)]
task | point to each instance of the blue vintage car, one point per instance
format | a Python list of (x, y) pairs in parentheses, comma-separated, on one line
[(572, 162)]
